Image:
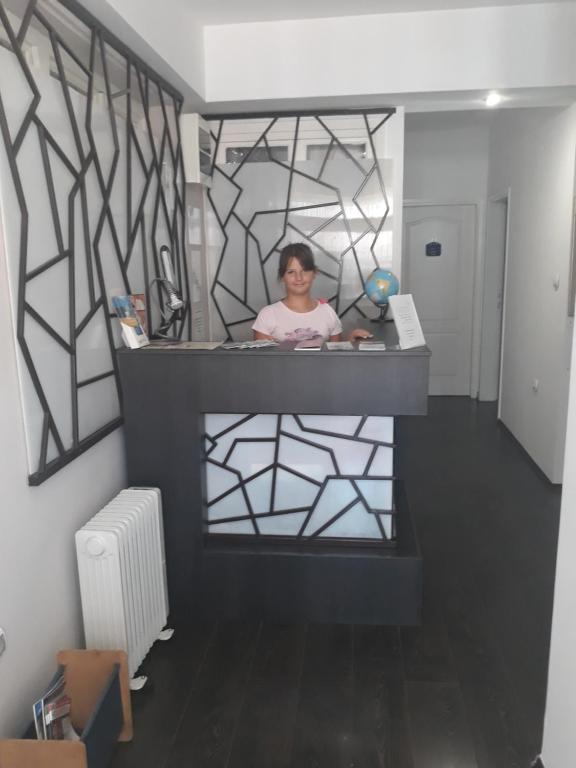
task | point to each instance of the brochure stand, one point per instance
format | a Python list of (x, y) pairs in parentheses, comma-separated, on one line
[(98, 685)]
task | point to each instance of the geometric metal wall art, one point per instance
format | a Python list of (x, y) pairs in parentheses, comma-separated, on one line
[(321, 179), (91, 186), (318, 478)]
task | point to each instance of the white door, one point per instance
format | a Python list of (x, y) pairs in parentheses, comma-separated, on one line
[(438, 269)]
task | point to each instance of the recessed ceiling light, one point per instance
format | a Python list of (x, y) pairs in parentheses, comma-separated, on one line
[(493, 99)]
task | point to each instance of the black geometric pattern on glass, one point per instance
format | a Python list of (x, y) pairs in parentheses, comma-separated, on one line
[(308, 530), (149, 172), (235, 282), (258, 155)]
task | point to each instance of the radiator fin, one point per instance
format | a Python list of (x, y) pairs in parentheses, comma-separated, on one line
[(122, 571)]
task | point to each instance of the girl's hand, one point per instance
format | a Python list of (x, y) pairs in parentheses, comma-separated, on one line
[(359, 333)]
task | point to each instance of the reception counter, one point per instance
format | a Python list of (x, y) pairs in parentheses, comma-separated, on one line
[(282, 494)]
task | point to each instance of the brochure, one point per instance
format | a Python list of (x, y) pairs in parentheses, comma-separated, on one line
[(133, 333), (138, 301), (406, 320), (52, 713)]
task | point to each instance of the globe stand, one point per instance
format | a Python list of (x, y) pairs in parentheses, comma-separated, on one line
[(382, 316)]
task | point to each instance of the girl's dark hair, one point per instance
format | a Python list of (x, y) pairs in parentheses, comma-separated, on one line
[(299, 251)]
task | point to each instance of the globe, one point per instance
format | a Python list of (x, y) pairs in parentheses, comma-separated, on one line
[(379, 287)]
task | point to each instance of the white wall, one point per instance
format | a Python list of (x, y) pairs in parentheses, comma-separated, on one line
[(467, 157), (175, 36), (172, 43), (446, 157), (446, 161), (532, 152), (39, 599), (559, 745), (504, 47)]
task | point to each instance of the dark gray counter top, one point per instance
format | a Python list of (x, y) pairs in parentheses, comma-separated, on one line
[(285, 348), (281, 380)]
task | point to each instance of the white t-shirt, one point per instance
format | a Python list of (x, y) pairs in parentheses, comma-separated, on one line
[(284, 324)]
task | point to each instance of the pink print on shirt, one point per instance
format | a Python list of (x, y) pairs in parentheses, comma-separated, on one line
[(302, 334), (283, 324)]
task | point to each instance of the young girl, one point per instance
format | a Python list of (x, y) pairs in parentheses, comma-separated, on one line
[(298, 316)]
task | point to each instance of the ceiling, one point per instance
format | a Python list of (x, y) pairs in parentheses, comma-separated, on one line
[(453, 101), (235, 12)]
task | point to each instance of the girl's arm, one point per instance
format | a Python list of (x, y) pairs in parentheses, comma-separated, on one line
[(259, 335), (359, 333), (263, 323)]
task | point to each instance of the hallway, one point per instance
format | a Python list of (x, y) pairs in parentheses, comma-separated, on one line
[(464, 690)]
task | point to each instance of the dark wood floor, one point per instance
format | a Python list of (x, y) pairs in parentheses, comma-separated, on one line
[(464, 690)]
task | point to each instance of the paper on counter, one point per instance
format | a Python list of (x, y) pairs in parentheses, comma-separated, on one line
[(406, 320)]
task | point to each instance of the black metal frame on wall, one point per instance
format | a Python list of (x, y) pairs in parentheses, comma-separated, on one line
[(138, 168), (373, 120)]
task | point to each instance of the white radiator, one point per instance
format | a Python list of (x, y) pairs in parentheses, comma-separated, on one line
[(122, 570)]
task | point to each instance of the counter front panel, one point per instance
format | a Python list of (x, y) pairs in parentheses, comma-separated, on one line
[(277, 470)]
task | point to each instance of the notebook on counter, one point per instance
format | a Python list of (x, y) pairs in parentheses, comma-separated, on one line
[(309, 345), (254, 344), (371, 346), (339, 346)]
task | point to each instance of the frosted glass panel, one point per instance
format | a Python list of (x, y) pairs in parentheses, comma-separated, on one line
[(331, 194), (223, 194), (282, 525), (337, 495), (312, 476), (219, 480), (103, 393), (233, 505), (54, 374), (259, 490), (241, 526), (42, 242), (377, 493), (47, 294), (262, 185), (215, 423), (313, 461), (293, 490), (344, 425), (93, 355), (355, 523)]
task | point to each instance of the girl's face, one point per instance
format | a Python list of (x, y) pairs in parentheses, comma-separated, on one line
[(297, 281)]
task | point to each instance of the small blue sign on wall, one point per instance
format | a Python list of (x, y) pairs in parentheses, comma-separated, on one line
[(433, 249)]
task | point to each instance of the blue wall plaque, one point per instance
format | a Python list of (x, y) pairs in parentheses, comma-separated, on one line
[(433, 249)]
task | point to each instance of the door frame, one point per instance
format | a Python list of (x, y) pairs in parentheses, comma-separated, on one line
[(478, 275), (491, 267), (503, 196)]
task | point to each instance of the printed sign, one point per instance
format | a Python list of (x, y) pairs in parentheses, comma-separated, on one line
[(433, 249)]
